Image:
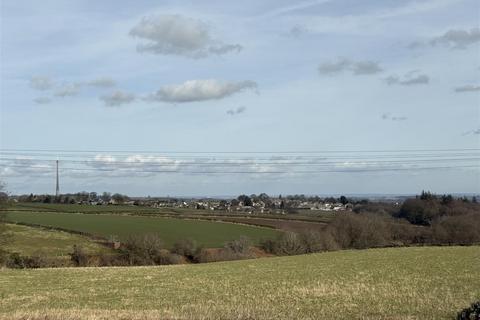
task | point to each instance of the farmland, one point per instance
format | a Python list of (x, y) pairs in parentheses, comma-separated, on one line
[(307, 215), (288, 222), (393, 283), (207, 233), (29, 241)]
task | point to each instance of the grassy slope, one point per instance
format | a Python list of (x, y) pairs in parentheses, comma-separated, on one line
[(28, 241), (395, 283), (210, 234)]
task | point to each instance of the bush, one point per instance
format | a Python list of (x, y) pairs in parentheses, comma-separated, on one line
[(144, 249), (288, 243), (232, 250), (79, 257), (240, 246), (188, 248), (360, 231), (315, 241), (462, 229), (472, 313), (37, 260), (418, 211)]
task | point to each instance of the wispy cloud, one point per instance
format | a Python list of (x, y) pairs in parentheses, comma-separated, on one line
[(468, 88), (300, 5), (42, 100), (103, 82), (200, 90), (41, 83), (179, 35), (355, 67), (236, 111), (409, 79), (470, 132), (458, 38), (389, 116), (68, 90), (117, 98)]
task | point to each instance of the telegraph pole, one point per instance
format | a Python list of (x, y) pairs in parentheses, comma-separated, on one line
[(57, 189)]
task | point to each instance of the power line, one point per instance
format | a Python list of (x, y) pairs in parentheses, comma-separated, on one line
[(276, 158), (351, 170), (239, 152), (244, 163)]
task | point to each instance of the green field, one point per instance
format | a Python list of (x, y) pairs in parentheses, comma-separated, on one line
[(30, 241), (394, 283), (305, 215), (207, 233)]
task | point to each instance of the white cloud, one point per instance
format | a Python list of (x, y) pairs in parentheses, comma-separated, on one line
[(178, 35), (68, 90), (41, 83), (117, 98), (42, 100), (355, 67), (468, 88), (103, 82), (409, 79), (199, 90), (458, 39)]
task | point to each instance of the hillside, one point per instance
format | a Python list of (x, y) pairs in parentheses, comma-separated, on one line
[(394, 283)]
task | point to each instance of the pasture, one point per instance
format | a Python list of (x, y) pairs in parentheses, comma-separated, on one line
[(392, 283), (207, 233), (30, 241), (303, 215)]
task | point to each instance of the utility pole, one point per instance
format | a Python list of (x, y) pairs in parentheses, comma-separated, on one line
[(57, 189)]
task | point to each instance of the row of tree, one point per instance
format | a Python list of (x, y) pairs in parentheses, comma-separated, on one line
[(79, 197)]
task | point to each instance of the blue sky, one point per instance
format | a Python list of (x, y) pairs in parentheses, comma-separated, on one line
[(195, 76)]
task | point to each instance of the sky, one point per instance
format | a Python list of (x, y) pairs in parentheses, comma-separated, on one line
[(303, 85)]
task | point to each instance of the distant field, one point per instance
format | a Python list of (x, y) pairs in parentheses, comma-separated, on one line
[(394, 283), (307, 220), (208, 233), (29, 241), (304, 215)]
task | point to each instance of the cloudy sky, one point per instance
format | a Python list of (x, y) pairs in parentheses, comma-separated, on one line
[(342, 76)]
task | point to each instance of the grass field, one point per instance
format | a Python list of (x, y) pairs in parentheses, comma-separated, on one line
[(208, 233), (29, 241), (393, 283), (305, 215)]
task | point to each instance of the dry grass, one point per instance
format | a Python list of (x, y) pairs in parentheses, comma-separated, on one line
[(395, 283)]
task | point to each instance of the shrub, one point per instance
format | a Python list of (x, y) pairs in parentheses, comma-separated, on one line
[(188, 248), (144, 249), (38, 260), (240, 246), (462, 229), (288, 243), (315, 241), (418, 211), (472, 313), (209, 255), (218, 254), (360, 231), (79, 257)]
